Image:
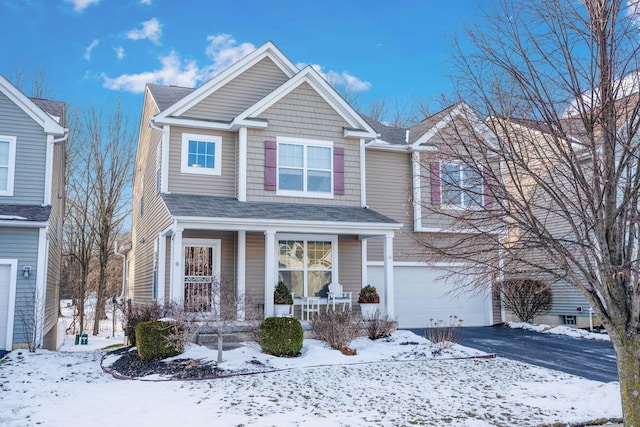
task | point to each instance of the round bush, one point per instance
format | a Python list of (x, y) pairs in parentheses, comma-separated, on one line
[(156, 340), (281, 336)]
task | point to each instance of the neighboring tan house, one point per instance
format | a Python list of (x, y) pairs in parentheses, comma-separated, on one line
[(405, 170), (256, 176), (569, 307), (32, 163)]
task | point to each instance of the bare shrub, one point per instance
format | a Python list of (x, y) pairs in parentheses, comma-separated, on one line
[(336, 327), (443, 336), (526, 298), (379, 326)]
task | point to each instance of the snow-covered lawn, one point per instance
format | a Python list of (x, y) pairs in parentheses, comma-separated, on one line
[(393, 382)]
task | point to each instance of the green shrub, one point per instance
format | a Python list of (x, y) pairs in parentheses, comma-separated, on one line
[(137, 313), (281, 336), (155, 340), (282, 294)]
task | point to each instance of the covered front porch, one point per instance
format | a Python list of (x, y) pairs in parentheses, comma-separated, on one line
[(307, 248)]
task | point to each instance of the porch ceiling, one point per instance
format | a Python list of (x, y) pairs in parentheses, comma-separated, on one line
[(228, 209)]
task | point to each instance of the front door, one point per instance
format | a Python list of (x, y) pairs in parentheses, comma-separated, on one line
[(201, 275)]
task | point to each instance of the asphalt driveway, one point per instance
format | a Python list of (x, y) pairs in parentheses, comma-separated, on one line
[(594, 360)]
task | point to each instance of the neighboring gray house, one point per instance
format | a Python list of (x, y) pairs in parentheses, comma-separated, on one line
[(32, 161)]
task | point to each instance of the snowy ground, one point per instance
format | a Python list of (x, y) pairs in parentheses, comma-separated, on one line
[(389, 383), (561, 330)]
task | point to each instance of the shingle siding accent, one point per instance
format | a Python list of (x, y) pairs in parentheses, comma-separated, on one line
[(240, 93), (303, 114), (218, 185)]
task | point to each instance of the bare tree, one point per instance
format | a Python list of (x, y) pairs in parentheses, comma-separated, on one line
[(558, 82), (101, 163)]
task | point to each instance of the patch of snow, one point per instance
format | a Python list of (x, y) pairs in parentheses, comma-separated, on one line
[(561, 330)]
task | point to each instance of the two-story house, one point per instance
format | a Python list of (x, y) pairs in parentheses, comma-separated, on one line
[(256, 176), (32, 163), (413, 177)]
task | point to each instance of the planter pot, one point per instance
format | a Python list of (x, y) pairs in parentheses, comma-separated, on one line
[(368, 310), (282, 310)]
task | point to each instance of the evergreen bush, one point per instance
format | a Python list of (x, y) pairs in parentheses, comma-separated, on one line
[(155, 341), (281, 336)]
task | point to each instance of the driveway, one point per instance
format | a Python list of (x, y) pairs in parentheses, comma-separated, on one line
[(594, 360)]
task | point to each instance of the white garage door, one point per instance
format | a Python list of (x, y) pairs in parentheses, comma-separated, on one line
[(5, 300), (421, 294)]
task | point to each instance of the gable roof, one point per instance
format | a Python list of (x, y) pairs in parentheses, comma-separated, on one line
[(314, 79), (48, 123), (21, 213), (267, 50)]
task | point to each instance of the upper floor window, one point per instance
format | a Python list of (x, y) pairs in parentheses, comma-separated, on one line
[(201, 154), (305, 167), (7, 164), (461, 186)]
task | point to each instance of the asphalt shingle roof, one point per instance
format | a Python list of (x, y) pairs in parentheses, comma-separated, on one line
[(227, 207), (166, 96), (25, 213), (53, 108)]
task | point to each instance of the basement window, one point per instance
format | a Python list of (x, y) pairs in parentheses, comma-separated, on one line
[(569, 320)]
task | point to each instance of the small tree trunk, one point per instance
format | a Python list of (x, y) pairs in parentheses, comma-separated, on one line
[(219, 345), (628, 354)]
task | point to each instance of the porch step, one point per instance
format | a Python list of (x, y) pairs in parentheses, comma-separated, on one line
[(229, 341)]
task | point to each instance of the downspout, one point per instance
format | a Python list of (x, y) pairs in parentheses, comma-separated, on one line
[(62, 138), (152, 125), (124, 268)]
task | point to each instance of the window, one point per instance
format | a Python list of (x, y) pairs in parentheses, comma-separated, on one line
[(305, 166), (306, 265), (461, 186), (569, 320), (7, 164), (201, 154)]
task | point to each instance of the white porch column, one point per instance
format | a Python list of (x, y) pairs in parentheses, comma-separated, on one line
[(242, 274), (269, 271), (177, 267), (162, 263), (242, 164), (388, 274)]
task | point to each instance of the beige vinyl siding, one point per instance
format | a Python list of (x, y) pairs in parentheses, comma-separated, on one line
[(255, 268), (389, 193), (303, 113), (145, 227), (240, 93), (212, 185), (28, 187), (350, 264)]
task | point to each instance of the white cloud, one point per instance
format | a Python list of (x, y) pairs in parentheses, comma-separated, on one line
[(151, 30), (80, 5), (119, 52), (172, 72), (89, 49), (223, 51), (147, 2), (341, 79)]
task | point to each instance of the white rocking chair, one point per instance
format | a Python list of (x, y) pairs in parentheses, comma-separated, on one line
[(337, 296)]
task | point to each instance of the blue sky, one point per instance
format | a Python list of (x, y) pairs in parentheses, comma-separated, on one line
[(94, 51)]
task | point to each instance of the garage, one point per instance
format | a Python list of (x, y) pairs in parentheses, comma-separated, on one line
[(421, 294)]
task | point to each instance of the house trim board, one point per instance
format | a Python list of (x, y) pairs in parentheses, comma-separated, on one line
[(41, 284), (48, 171), (164, 169), (13, 278)]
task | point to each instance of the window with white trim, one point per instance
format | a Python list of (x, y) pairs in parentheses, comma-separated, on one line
[(461, 187), (306, 265), (305, 167), (7, 164), (201, 154)]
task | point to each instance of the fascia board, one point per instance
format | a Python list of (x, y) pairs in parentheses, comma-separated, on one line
[(225, 76), (289, 225), (49, 125)]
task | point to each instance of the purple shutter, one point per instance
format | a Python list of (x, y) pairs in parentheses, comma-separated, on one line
[(487, 181), (270, 165), (338, 170), (435, 183)]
